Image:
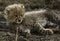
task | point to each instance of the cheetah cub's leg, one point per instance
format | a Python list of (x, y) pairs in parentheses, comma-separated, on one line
[(43, 29)]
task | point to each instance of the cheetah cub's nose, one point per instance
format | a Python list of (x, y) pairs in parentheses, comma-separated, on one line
[(19, 20)]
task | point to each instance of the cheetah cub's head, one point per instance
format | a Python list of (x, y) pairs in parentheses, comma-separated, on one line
[(14, 13)]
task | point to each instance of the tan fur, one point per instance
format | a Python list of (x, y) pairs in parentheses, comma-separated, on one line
[(14, 13)]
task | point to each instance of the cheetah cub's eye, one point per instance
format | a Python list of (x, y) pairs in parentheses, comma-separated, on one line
[(16, 15), (21, 15)]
